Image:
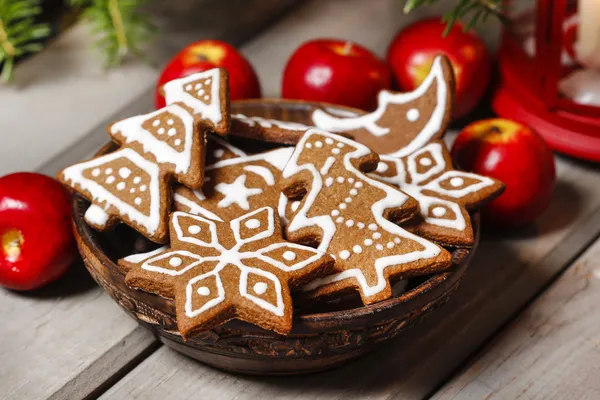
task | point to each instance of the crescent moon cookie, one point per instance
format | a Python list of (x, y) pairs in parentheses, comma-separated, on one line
[(349, 215), (445, 195), (132, 184), (231, 268), (402, 122)]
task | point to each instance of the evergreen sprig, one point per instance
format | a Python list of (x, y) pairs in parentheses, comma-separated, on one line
[(20, 34), (474, 11), (120, 26)]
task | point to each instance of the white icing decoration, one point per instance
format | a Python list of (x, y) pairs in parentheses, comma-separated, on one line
[(108, 171), (340, 179), (339, 220), (413, 115), (360, 225), (175, 262), (456, 182), (379, 247), (260, 288), (270, 123), (95, 215), (327, 165), (236, 193), (194, 229), (390, 245), (174, 93), (334, 213), (329, 181), (131, 130), (340, 112), (96, 172), (424, 161), (295, 205), (438, 211), (329, 141), (137, 201), (349, 223), (289, 255), (369, 121), (373, 227), (143, 188), (318, 144), (264, 172), (368, 242), (376, 235), (150, 222), (342, 206), (357, 249), (336, 151), (397, 240), (381, 167), (203, 291), (218, 153), (120, 185), (353, 192), (139, 257), (110, 180), (344, 254), (252, 223)]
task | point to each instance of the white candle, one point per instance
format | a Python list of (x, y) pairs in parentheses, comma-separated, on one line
[(588, 34)]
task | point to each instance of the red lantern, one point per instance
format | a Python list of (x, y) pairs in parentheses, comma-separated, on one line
[(550, 73)]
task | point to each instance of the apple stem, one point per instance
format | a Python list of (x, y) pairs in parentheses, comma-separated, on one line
[(347, 48)]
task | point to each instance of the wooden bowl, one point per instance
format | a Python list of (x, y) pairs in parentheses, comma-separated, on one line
[(322, 337)]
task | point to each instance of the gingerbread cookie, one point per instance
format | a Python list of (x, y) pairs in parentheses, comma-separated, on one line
[(236, 185), (206, 94), (349, 215), (230, 268), (445, 195), (402, 122), (268, 130), (218, 149)]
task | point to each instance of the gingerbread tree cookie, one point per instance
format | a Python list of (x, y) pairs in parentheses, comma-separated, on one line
[(219, 270), (444, 194), (348, 215), (132, 184), (402, 122)]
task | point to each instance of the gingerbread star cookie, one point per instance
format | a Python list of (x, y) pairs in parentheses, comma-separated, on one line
[(445, 195), (402, 122), (349, 215), (237, 268)]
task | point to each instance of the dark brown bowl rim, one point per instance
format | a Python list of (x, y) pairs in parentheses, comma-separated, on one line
[(434, 287)]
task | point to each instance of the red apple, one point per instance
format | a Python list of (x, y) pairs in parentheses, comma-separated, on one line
[(412, 51), (516, 155), (207, 54), (36, 239), (335, 71)]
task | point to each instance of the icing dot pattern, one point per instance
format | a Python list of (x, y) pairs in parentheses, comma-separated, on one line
[(167, 127), (200, 89)]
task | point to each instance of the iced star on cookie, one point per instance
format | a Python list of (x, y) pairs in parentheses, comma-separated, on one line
[(348, 214), (235, 185), (239, 268), (236, 192)]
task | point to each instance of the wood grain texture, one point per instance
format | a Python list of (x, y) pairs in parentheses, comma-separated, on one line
[(68, 340), (507, 271), (551, 351)]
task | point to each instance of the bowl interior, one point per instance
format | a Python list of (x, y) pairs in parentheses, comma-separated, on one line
[(340, 312)]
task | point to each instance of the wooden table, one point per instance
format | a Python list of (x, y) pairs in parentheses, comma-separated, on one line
[(523, 323)]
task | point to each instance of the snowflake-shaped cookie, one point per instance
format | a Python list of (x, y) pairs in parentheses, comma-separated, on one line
[(444, 194), (241, 268)]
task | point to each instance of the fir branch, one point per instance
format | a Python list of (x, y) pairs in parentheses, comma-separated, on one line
[(120, 26), (20, 34), (477, 10)]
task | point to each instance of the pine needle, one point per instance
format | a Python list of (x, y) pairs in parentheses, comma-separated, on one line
[(120, 27), (477, 10), (19, 32)]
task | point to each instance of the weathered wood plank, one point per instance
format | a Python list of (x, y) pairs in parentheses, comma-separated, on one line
[(71, 339), (552, 351)]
